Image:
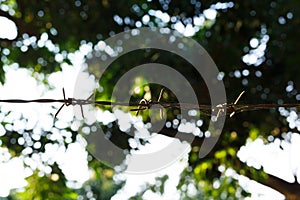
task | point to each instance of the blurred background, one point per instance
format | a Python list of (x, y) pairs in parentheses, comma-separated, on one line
[(45, 44)]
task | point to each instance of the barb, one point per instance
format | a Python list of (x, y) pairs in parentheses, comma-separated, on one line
[(234, 104), (67, 102), (229, 109), (161, 113)]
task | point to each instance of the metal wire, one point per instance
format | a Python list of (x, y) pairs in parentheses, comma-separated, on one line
[(221, 109)]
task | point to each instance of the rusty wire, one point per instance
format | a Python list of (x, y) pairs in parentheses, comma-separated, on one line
[(220, 109)]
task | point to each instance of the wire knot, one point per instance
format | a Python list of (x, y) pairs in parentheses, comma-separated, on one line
[(73, 101), (146, 104)]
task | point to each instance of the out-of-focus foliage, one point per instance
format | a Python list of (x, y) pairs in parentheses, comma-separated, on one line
[(101, 185), (253, 43), (47, 187)]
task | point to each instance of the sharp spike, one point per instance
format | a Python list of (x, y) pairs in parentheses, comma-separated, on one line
[(58, 111), (238, 98), (81, 111)]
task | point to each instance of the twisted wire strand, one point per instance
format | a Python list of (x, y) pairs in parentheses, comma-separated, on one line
[(221, 109)]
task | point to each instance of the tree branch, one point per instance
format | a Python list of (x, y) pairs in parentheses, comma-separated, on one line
[(291, 191)]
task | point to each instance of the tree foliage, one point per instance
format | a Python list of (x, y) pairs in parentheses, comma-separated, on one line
[(263, 70)]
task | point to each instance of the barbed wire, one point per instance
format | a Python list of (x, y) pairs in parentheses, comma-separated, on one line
[(228, 109)]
